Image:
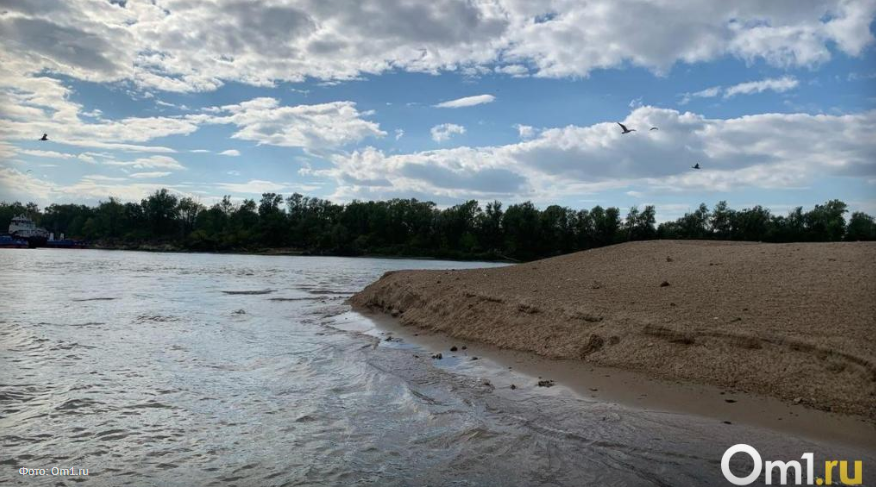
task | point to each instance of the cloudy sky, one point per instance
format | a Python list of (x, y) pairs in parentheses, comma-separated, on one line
[(444, 100)]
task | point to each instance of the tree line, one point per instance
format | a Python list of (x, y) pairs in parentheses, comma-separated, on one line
[(408, 227)]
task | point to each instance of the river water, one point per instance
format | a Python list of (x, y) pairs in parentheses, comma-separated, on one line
[(198, 369)]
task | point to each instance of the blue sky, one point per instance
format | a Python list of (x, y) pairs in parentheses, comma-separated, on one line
[(776, 101)]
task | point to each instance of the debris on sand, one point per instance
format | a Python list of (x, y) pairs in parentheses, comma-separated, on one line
[(453, 348), (546, 383), (239, 311), (437, 356), (664, 284)]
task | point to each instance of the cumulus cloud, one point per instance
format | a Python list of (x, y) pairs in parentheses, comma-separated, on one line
[(316, 127), (514, 70), (177, 45), (525, 131), (764, 151), (33, 105), (15, 185), (468, 101), (399, 133), (230, 152), (444, 131)]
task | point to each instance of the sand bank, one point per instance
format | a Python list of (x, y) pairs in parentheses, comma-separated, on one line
[(793, 321)]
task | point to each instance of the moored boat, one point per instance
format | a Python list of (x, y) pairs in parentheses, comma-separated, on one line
[(23, 228), (7, 242)]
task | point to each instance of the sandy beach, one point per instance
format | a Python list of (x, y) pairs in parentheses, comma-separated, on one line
[(792, 321)]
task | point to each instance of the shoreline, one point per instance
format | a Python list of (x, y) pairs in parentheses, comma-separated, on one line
[(288, 252), (631, 389), (789, 321)]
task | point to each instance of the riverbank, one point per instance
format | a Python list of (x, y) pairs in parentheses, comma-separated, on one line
[(792, 321), (175, 248)]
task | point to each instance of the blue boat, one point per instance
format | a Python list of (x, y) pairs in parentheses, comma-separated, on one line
[(7, 242), (65, 243)]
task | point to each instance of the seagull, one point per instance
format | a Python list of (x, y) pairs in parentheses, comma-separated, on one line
[(626, 130), (653, 128), (696, 166), (45, 137)]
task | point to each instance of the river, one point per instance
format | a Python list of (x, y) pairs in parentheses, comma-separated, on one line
[(203, 369)]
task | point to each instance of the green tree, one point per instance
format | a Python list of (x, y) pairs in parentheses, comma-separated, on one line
[(161, 211), (861, 227), (826, 222)]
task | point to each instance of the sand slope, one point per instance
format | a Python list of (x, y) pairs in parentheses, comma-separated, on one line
[(797, 321)]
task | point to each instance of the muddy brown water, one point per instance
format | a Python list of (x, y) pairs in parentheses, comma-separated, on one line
[(199, 369)]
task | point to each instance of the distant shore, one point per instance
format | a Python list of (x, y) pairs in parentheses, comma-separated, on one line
[(146, 247), (792, 321)]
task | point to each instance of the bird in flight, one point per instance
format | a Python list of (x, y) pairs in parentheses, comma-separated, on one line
[(626, 130), (653, 128), (45, 137), (696, 166)]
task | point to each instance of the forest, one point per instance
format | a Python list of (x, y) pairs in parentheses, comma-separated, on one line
[(408, 227)]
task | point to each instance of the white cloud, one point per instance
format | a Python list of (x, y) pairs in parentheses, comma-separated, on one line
[(779, 85), (316, 127), (443, 132), (16, 185), (758, 151), (149, 175), (707, 93), (101, 177), (230, 152), (152, 162), (199, 151), (515, 70), (233, 173), (176, 45), (255, 186), (399, 133), (468, 101), (47, 154), (525, 131), (31, 106)]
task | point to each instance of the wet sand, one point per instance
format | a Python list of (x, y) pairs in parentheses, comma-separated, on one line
[(726, 408), (795, 322)]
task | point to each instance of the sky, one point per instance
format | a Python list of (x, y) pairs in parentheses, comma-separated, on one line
[(446, 100)]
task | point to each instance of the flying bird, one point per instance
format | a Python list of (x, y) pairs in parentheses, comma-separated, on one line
[(626, 130), (45, 137), (653, 128), (696, 166)]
